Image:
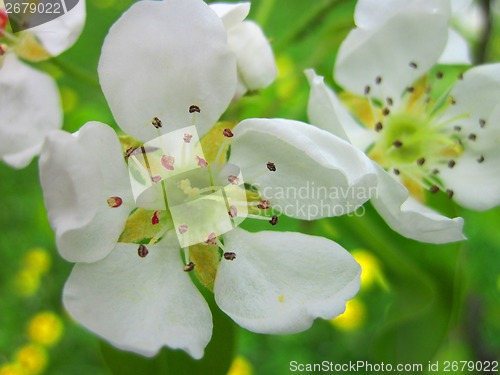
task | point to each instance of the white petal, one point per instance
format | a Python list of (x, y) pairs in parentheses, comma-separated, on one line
[(458, 6), (78, 175), (61, 33), (140, 304), (477, 185), (326, 112), (410, 218), (416, 33), (254, 56), (370, 14), (317, 174), (456, 51), (160, 58), (231, 14), (280, 282), (30, 109)]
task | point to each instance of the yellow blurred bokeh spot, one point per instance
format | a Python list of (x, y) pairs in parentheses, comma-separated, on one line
[(32, 359), (45, 328), (37, 260), (240, 366), (11, 369), (26, 282), (370, 267), (353, 317)]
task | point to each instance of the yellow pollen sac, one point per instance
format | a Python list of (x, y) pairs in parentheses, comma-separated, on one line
[(45, 328)]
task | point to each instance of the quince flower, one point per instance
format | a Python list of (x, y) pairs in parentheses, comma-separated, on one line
[(138, 220), (30, 103), (419, 136)]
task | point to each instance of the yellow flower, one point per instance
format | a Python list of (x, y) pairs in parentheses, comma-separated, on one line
[(11, 369), (240, 366), (37, 260), (45, 328), (353, 317), (32, 359)]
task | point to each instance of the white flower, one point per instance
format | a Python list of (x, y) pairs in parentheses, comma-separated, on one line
[(254, 56), (424, 139), (130, 284), (30, 103)]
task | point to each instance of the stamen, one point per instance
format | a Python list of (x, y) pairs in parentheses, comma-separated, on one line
[(378, 126), (114, 202), (397, 144), (194, 108), (271, 166), (434, 189), (233, 211), (413, 65), (168, 162), (421, 161), (435, 171), (189, 267), (449, 193), (228, 133), (142, 251), (229, 256), (129, 152), (187, 137), (183, 228), (386, 111), (453, 101), (3, 47), (367, 90), (410, 89), (274, 220), (233, 180), (378, 80), (472, 137), (396, 171), (457, 128), (156, 179), (480, 159), (263, 205), (439, 75), (451, 163), (156, 123), (211, 239), (389, 101), (155, 219), (482, 123), (460, 76), (201, 162)]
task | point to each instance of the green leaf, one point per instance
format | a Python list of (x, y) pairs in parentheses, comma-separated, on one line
[(217, 359)]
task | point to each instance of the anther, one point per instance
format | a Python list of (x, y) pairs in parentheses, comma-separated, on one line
[(453, 101), (410, 89), (229, 256), (189, 267), (449, 193), (155, 219), (156, 179), (439, 75), (142, 251), (472, 137), (211, 239), (482, 123), (263, 205), (421, 161), (201, 162), (435, 171), (396, 171), (378, 126), (228, 133), (367, 90), (233, 180), (168, 162), (3, 47), (397, 144), (386, 111), (460, 76), (194, 108), (271, 166), (114, 202), (389, 101), (156, 123), (274, 220), (233, 211), (183, 228), (413, 65), (457, 128), (451, 163), (187, 137), (378, 80), (434, 189), (480, 159)]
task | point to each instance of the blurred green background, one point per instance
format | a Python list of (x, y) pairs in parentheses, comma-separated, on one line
[(418, 303)]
